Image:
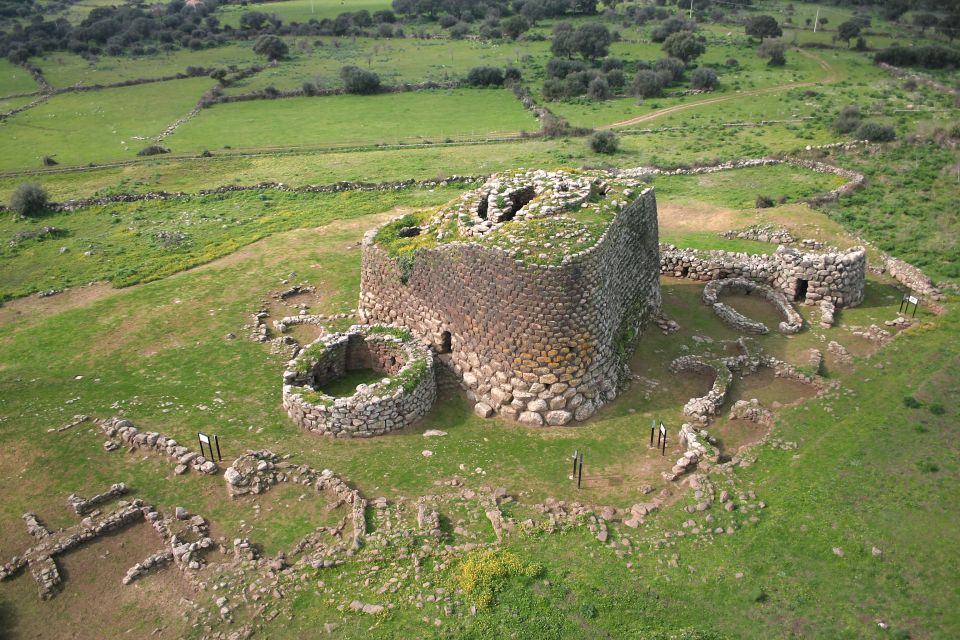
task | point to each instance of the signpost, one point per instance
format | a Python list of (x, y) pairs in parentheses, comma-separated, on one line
[(205, 440), (580, 474), (907, 300), (663, 434)]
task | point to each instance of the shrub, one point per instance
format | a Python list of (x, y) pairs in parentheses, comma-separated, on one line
[(930, 56), (29, 199), (483, 572), (598, 89), (647, 84), (49, 161), (764, 202), (561, 67), (910, 402), (271, 47), (926, 466), (153, 150), (604, 142), (704, 78), (512, 74), (848, 120), (937, 409), (359, 81), (876, 132), (673, 67), (775, 51), (684, 45), (485, 77), (616, 80)]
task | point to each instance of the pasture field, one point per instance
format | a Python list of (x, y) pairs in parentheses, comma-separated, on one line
[(84, 127), (347, 120), (301, 11), (15, 79), (844, 524), (63, 69)]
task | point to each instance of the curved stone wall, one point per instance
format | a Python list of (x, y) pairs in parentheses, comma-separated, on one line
[(836, 277), (390, 404), (792, 321), (542, 344)]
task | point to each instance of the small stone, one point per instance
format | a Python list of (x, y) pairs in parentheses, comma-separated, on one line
[(837, 551), (483, 410), (434, 433), (426, 453), (180, 469), (181, 513)]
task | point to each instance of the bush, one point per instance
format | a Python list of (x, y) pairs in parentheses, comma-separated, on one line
[(604, 142), (876, 132), (359, 81), (271, 47), (937, 409), (704, 78), (485, 77), (774, 50), (647, 84), (684, 45), (764, 202), (29, 199), (929, 57), (482, 573), (848, 120), (598, 89), (49, 161), (910, 402), (153, 150), (561, 67), (672, 67)]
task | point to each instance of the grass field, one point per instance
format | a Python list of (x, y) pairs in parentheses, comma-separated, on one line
[(301, 11), (14, 79), (78, 128), (845, 515), (386, 119)]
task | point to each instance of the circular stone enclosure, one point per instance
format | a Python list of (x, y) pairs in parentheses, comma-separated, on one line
[(402, 397), (792, 320)]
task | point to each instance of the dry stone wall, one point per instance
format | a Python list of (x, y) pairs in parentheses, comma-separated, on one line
[(374, 409), (804, 277), (792, 321), (541, 344)]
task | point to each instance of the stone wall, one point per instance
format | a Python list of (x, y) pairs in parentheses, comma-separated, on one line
[(374, 409), (803, 277), (532, 342), (792, 321)]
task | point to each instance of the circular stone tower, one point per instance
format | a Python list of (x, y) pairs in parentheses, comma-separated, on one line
[(533, 289)]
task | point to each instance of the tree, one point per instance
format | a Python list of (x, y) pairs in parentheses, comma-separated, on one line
[(592, 40), (598, 89), (704, 78), (950, 25), (763, 27), (684, 46), (848, 30), (775, 50), (647, 84), (253, 20), (562, 44), (359, 81), (925, 20), (29, 199), (604, 142), (515, 26), (271, 47)]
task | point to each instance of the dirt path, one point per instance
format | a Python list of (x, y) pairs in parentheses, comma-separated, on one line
[(832, 75)]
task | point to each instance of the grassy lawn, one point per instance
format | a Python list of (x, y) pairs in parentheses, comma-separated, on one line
[(387, 118), (78, 128)]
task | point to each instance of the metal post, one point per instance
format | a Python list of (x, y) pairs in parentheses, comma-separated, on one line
[(653, 427), (200, 440), (217, 440), (575, 453), (580, 475)]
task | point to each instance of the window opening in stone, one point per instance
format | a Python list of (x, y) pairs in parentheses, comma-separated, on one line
[(518, 200), (684, 272), (446, 342), (482, 207), (801, 291)]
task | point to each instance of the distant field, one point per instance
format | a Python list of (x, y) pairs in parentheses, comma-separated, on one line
[(14, 79), (63, 69), (394, 60), (112, 124), (300, 10), (386, 118)]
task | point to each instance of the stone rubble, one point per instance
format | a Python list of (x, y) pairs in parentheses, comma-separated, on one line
[(120, 430)]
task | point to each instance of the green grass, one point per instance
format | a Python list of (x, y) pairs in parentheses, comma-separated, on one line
[(15, 79), (299, 10), (387, 118), (78, 128), (64, 69), (123, 244), (346, 385)]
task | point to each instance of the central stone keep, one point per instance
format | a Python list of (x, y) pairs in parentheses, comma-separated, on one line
[(533, 289)]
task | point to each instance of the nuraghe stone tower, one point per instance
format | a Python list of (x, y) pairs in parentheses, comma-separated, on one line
[(533, 289)]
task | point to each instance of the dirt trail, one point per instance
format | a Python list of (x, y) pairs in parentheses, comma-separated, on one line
[(832, 75)]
